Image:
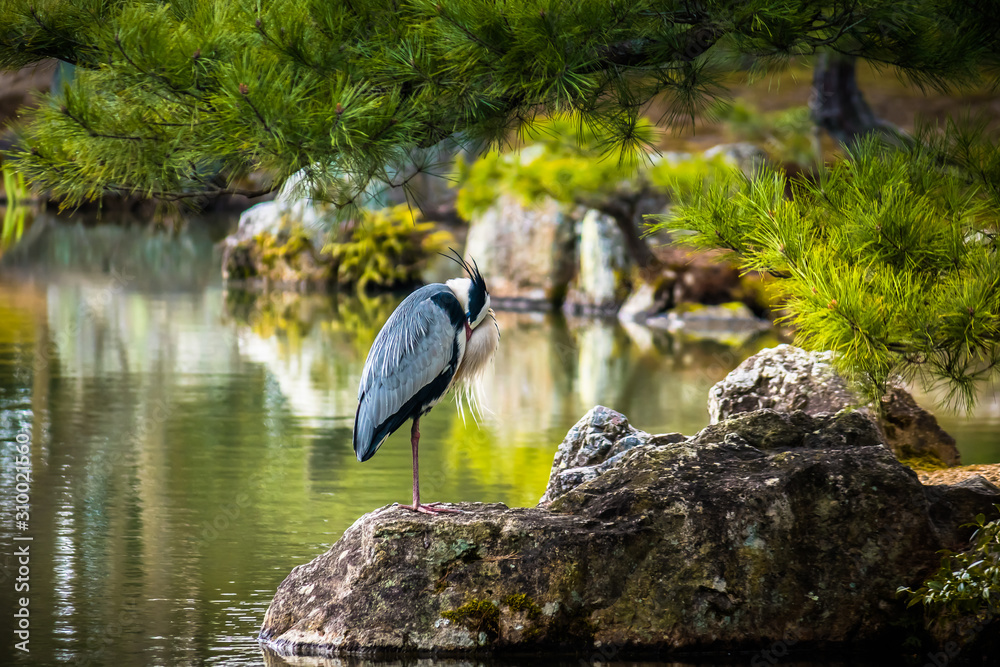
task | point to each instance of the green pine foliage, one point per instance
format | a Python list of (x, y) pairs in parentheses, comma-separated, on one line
[(188, 97), (15, 212), (890, 258)]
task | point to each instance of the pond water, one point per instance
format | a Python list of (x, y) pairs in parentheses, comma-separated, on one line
[(189, 445)]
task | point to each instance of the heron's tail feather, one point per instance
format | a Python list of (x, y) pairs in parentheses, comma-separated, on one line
[(365, 445)]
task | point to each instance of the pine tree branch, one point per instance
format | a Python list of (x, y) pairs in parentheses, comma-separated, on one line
[(633, 54), (167, 195), (151, 74), (607, 53), (468, 33), (55, 35), (294, 54), (79, 121), (245, 92)]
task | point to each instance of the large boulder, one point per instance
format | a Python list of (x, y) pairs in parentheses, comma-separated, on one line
[(787, 378), (760, 528), (280, 243), (526, 252), (596, 443)]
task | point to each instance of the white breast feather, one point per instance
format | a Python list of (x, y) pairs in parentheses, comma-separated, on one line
[(479, 354)]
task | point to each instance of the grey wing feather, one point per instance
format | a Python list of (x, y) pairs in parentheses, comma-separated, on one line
[(414, 348)]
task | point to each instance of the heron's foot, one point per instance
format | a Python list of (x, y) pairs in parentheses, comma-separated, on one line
[(431, 508)]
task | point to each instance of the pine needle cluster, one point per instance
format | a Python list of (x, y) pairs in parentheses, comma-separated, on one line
[(891, 257), (188, 97)]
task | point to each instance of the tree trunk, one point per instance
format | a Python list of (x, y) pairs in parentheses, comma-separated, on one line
[(626, 213), (636, 246), (837, 105)]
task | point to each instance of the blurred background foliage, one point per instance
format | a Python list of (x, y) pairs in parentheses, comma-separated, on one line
[(388, 248), (566, 160), (789, 136)]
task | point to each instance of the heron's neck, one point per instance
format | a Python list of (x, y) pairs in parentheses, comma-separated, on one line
[(460, 287)]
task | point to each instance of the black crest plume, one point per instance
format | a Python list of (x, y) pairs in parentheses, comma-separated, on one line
[(472, 270), (477, 293)]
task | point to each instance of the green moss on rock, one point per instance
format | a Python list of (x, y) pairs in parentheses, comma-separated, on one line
[(521, 602), (921, 461), (479, 616)]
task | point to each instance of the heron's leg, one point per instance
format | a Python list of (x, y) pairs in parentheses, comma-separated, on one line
[(417, 507), (415, 444)]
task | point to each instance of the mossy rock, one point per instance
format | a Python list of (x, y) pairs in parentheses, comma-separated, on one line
[(787, 378), (386, 249), (480, 617), (758, 528)]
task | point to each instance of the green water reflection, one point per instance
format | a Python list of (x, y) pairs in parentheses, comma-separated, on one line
[(190, 445)]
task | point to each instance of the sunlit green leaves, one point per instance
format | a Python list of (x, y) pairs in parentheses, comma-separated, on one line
[(967, 583)]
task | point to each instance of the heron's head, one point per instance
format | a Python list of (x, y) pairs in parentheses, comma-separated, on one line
[(471, 291)]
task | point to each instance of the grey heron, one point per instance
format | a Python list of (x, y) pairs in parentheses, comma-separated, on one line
[(440, 336)]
